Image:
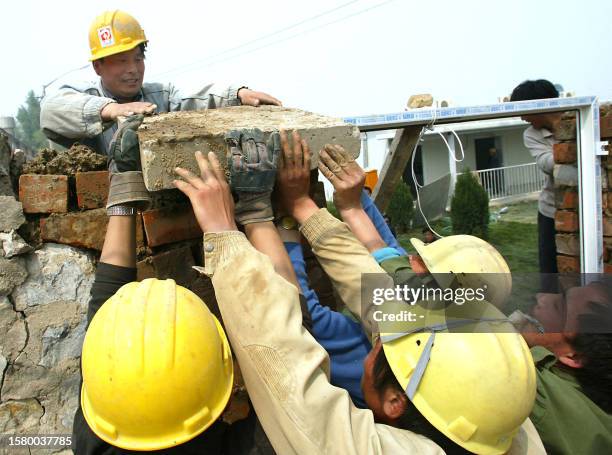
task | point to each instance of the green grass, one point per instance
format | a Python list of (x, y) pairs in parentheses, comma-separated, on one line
[(516, 241), (514, 234), (520, 212)]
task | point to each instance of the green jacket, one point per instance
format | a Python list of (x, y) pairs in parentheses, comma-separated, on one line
[(567, 420), (400, 270)]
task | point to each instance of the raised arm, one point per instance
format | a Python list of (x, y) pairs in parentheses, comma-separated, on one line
[(348, 178), (213, 96), (343, 257), (283, 367)]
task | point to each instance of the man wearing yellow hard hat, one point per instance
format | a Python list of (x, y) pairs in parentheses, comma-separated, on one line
[(87, 111), (157, 369), (475, 389)]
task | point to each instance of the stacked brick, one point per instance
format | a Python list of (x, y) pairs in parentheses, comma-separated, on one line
[(78, 217), (71, 210), (566, 192), (606, 177)]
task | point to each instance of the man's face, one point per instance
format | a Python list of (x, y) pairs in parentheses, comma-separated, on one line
[(122, 73), (559, 316), (539, 121)]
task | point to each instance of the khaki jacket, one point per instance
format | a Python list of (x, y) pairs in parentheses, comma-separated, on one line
[(73, 112), (285, 370)]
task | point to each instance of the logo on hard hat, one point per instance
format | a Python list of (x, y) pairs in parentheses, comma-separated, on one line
[(105, 35)]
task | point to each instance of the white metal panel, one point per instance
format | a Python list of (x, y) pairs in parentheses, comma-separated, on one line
[(589, 150)]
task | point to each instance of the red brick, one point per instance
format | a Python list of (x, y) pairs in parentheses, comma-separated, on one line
[(565, 152), (568, 199), (566, 221), (568, 264), (81, 229), (605, 201), (170, 225), (608, 268), (43, 193), (605, 126), (568, 244), (607, 225), (92, 189), (606, 254)]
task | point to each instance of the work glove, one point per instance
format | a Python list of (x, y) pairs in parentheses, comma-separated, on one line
[(127, 186), (252, 165)]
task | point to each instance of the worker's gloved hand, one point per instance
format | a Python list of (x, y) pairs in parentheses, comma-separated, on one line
[(252, 165), (127, 186), (124, 151)]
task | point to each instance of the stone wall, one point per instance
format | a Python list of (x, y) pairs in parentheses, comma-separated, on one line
[(50, 240)]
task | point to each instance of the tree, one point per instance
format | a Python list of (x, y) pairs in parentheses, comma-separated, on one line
[(401, 207), (28, 117), (470, 206)]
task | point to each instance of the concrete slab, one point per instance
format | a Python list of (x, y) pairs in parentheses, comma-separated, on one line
[(170, 140)]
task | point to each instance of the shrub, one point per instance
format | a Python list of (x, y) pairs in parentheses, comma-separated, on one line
[(401, 208), (470, 206)]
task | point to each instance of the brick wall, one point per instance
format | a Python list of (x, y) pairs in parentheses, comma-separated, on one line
[(50, 241), (566, 193)]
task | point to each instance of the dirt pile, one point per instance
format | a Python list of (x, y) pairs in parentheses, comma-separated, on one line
[(79, 158)]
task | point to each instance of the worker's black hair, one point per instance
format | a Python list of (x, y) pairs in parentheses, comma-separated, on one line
[(412, 419), (534, 90), (593, 344)]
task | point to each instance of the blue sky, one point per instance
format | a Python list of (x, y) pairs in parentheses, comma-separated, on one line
[(365, 56)]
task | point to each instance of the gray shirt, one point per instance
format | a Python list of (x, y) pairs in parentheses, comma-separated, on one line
[(73, 112), (540, 144)]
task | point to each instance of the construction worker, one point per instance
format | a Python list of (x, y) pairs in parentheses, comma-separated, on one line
[(469, 260), (156, 364), (538, 138), (286, 371), (87, 112), (573, 356)]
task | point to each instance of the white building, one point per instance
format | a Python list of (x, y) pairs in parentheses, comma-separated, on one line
[(493, 148)]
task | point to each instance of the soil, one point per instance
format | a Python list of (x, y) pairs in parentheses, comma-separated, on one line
[(78, 158)]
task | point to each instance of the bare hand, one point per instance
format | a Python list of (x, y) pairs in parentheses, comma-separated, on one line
[(344, 174), (293, 178), (112, 111), (209, 194), (252, 98)]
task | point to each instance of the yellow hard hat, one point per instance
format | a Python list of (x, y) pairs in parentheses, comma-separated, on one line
[(475, 388), (113, 32), (469, 260), (157, 367)]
